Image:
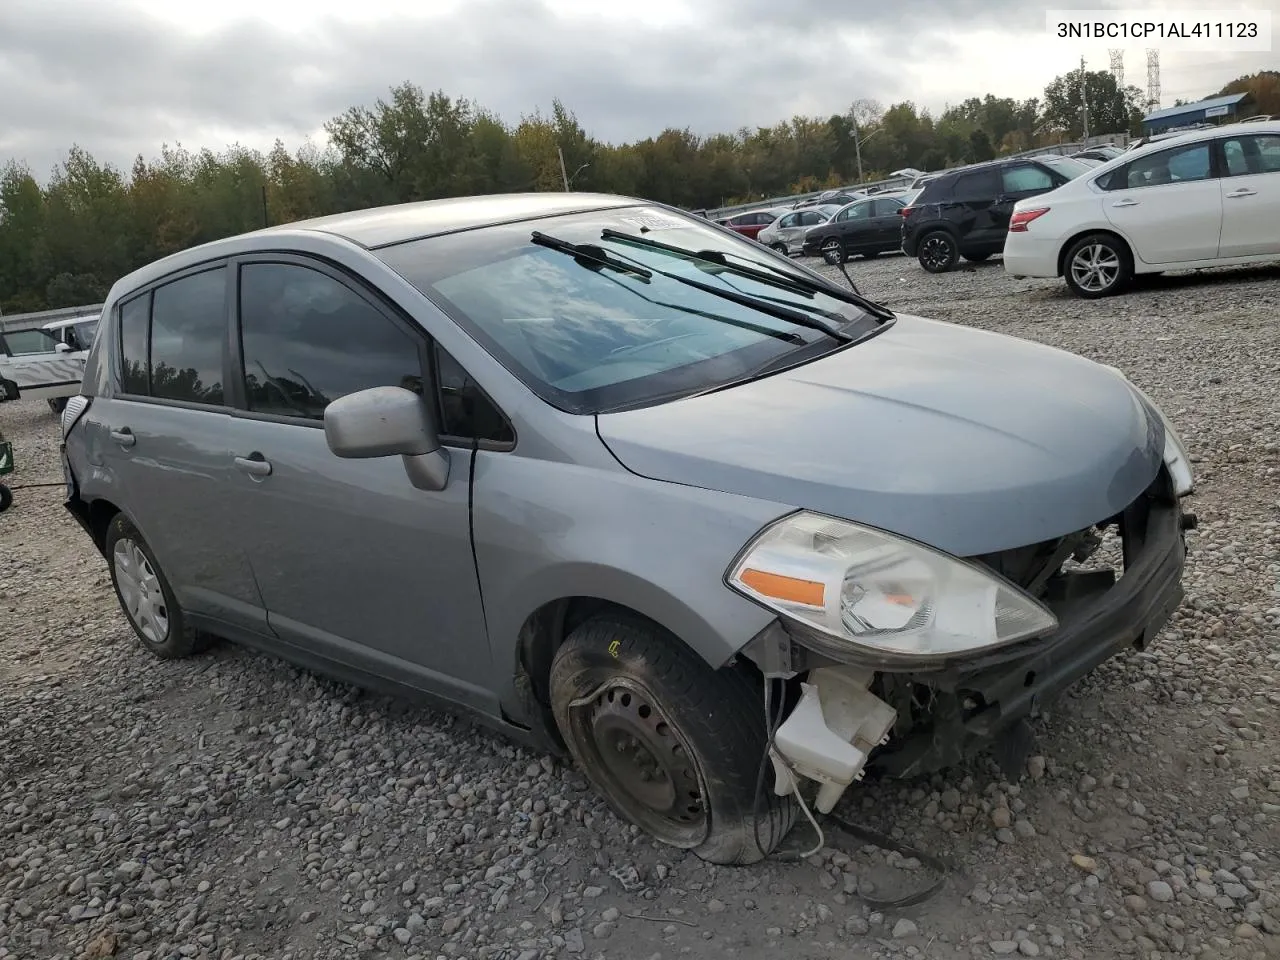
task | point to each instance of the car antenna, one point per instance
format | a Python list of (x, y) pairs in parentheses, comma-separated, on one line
[(852, 286)]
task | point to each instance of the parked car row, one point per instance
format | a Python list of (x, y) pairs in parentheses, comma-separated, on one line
[(1203, 198), (46, 363)]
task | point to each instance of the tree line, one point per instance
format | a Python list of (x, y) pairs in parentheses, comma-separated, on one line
[(64, 242)]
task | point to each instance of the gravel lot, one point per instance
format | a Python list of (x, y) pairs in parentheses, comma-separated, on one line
[(233, 806)]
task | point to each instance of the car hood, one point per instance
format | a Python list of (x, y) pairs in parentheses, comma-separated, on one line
[(969, 441)]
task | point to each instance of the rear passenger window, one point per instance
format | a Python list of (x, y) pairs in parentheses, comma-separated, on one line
[(188, 330), (134, 317), (980, 185), (309, 339), (1025, 177)]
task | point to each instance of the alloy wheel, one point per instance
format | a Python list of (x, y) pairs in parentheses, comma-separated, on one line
[(935, 252), (832, 252), (1095, 267)]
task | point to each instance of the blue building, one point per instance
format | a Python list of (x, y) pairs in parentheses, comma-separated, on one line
[(1214, 110)]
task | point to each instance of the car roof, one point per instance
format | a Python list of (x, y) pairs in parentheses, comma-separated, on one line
[(71, 321), (399, 223)]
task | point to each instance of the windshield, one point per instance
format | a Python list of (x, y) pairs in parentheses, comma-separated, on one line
[(1069, 167), (590, 338)]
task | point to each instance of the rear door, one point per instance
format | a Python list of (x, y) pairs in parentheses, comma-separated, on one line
[(1168, 204), (1250, 188), (1019, 180), (969, 208), (887, 220), (162, 439)]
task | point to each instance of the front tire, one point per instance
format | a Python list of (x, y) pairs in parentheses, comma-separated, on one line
[(938, 251), (673, 745), (833, 252), (145, 596), (1097, 265), (780, 248)]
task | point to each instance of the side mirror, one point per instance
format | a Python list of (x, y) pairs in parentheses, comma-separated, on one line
[(61, 347), (386, 422)]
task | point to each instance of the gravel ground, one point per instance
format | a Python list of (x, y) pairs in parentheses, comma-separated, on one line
[(234, 806)]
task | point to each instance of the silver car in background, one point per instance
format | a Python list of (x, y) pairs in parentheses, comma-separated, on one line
[(786, 234), (627, 487)]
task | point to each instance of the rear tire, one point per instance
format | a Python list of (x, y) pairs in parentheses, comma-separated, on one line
[(6, 498), (57, 404), (780, 248), (673, 745), (938, 251), (145, 595), (1097, 265)]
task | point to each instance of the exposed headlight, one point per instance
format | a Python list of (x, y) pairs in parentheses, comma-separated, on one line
[(1176, 459), (882, 593)]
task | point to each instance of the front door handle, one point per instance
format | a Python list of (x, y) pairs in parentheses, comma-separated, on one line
[(1242, 192), (1125, 203), (255, 465), (124, 436)]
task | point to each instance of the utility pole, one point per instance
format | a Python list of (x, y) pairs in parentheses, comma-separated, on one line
[(857, 145), (563, 173), (1084, 101)]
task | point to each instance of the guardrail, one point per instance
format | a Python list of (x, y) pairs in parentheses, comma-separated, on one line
[(733, 211), (30, 321)]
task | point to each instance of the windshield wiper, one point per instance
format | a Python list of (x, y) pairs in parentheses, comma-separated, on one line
[(590, 253), (755, 303), (775, 277)]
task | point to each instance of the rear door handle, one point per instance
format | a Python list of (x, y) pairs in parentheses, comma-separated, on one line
[(124, 436), (1125, 203), (255, 465), (1242, 192)]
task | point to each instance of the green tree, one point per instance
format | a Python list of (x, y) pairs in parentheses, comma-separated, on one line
[(1111, 109)]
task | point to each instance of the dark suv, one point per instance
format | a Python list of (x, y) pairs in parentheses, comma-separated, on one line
[(965, 212)]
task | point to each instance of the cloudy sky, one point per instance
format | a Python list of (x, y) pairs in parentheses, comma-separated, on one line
[(122, 77)]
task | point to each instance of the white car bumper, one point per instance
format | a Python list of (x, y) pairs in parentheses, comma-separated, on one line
[(1026, 255)]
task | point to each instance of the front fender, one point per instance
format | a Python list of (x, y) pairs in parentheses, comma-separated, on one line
[(546, 531)]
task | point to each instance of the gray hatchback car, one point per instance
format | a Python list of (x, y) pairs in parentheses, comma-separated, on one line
[(624, 485)]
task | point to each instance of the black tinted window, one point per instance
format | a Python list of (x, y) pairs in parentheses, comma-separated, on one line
[(888, 208), (979, 185), (188, 329), (309, 339), (465, 411), (134, 317)]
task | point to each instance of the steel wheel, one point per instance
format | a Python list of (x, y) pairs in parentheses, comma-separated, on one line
[(140, 590), (1096, 267), (833, 251)]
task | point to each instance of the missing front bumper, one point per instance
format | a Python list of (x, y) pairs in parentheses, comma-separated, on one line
[(953, 711)]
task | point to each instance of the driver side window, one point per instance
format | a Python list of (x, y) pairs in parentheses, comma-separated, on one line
[(308, 339)]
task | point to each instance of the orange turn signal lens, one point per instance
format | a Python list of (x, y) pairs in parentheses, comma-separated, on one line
[(791, 589)]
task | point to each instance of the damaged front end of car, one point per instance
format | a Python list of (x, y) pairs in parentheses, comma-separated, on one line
[(898, 658)]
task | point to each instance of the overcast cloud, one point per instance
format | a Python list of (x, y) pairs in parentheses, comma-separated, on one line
[(122, 77)]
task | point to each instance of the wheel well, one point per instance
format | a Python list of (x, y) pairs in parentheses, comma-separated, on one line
[(1062, 253), (544, 630), (100, 515)]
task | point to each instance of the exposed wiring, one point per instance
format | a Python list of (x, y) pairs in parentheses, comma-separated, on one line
[(773, 720)]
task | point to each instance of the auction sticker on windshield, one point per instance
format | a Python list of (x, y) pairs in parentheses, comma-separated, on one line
[(654, 221)]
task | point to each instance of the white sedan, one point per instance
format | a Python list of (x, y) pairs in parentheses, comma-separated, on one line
[(1204, 199)]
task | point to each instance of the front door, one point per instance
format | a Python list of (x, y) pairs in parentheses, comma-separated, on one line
[(355, 564), (1168, 204), (1250, 187)]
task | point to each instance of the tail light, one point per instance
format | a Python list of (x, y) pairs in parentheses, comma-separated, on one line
[(1021, 218), (905, 211), (73, 411)]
